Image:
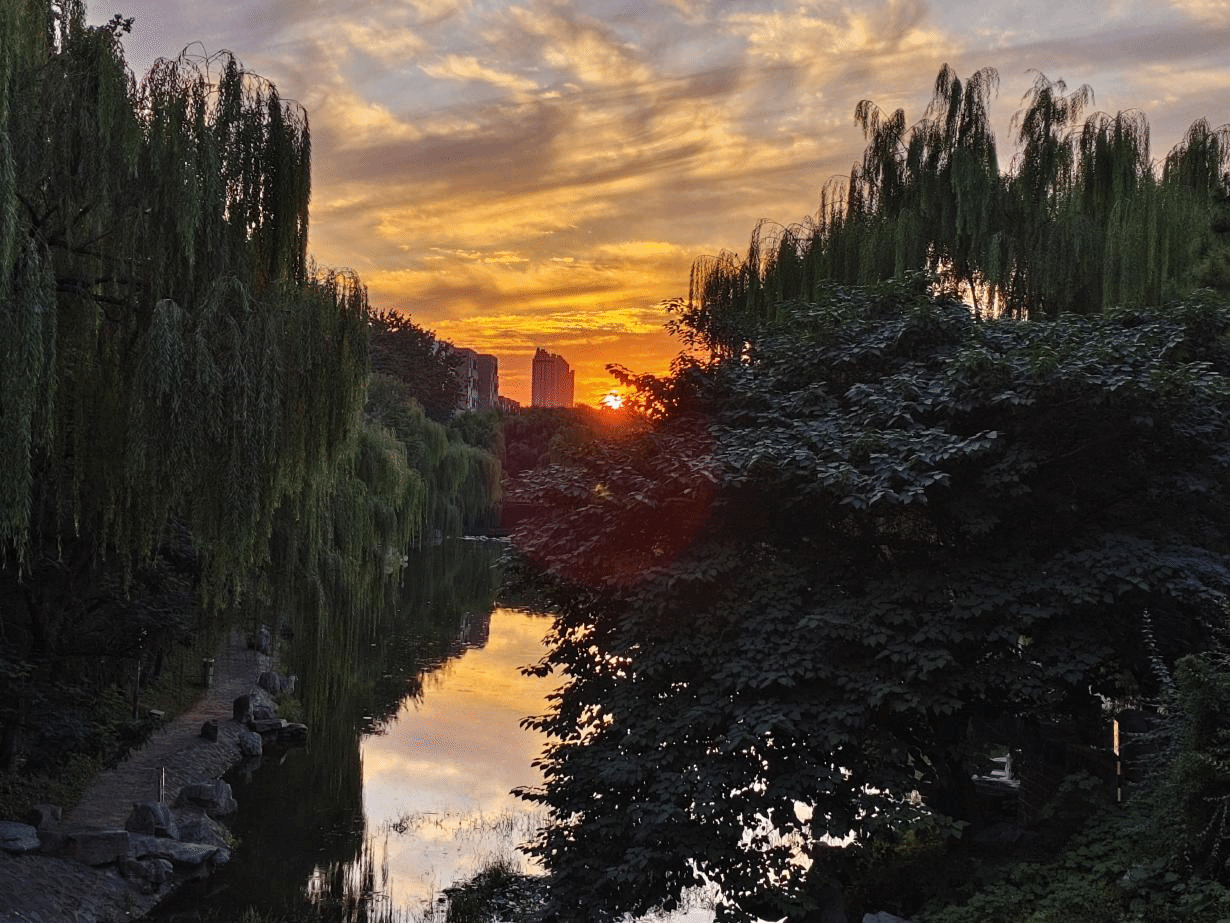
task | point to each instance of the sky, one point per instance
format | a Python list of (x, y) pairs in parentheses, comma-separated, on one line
[(544, 173)]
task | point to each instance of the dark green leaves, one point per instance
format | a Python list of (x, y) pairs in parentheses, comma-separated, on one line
[(883, 531)]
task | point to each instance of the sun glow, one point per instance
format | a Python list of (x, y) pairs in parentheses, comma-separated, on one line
[(612, 400)]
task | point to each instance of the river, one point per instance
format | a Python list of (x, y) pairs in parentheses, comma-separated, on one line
[(405, 787)]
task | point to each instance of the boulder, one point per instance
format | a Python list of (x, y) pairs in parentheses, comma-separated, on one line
[(264, 640), (267, 726), (152, 818), (55, 841), (148, 874), (195, 827), (293, 734), (209, 730), (263, 713), (18, 838), (215, 798), (97, 847), (260, 698), (44, 815), (271, 682), (250, 743), (242, 709), (187, 854), (883, 917)]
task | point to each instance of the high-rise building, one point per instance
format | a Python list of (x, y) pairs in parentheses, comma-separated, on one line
[(479, 375), (466, 366), (488, 382), (553, 382)]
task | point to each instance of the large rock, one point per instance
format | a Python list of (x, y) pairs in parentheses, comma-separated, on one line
[(152, 818), (268, 726), (883, 917), (195, 827), (250, 743), (241, 710), (18, 838), (271, 682), (293, 734), (148, 874), (214, 797), (209, 730), (44, 815), (97, 847), (263, 713), (188, 854)]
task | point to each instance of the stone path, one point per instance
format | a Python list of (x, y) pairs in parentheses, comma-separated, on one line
[(43, 889), (177, 748)]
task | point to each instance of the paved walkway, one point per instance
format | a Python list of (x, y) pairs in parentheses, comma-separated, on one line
[(178, 747), (37, 888)]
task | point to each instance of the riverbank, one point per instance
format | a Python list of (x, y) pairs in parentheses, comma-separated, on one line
[(36, 887)]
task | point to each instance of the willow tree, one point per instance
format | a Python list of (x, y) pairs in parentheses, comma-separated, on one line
[(168, 357), (1080, 222)]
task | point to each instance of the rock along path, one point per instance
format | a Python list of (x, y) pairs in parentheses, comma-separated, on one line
[(45, 889), (177, 747)]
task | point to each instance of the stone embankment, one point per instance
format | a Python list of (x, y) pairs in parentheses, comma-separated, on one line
[(149, 824)]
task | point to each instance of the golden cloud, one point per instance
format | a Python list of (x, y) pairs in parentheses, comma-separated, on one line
[(468, 67)]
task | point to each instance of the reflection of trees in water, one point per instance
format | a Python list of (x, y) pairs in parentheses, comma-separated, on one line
[(302, 831), (355, 891), (448, 593), (445, 609)]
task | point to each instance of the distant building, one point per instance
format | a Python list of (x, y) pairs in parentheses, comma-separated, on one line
[(466, 364), (553, 382), (508, 405), (488, 382), (479, 375)]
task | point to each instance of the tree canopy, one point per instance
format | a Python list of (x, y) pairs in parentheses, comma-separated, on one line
[(948, 474), (1081, 221), (841, 566), (426, 365), (181, 390)]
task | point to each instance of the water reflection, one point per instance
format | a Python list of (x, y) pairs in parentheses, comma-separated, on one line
[(438, 778), (305, 837), (405, 785)]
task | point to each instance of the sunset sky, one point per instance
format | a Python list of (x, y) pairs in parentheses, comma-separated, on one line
[(543, 173)]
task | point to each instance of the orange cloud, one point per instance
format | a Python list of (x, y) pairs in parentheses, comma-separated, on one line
[(544, 172)]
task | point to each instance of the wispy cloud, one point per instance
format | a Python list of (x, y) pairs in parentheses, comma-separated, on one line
[(544, 172)]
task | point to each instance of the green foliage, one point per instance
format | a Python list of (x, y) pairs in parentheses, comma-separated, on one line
[(181, 392), (538, 436), (1197, 784), (162, 335), (1111, 871), (481, 429), (829, 569), (497, 891), (1081, 222), (413, 355), (461, 481)]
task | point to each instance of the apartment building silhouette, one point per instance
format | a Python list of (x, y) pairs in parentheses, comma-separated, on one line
[(553, 381)]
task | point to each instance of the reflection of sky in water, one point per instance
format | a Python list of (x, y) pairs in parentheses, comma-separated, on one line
[(462, 746), (437, 782), (439, 778)]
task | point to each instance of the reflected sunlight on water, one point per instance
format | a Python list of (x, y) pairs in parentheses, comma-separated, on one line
[(437, 782), (439, 777)]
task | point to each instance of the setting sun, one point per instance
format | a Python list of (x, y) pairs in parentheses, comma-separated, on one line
[(612, 400)]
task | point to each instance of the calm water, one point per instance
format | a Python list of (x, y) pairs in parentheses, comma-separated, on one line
[(405, 787)]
